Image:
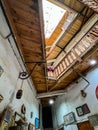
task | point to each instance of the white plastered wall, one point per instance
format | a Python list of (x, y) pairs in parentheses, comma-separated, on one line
[(72, 99), (11, 63)]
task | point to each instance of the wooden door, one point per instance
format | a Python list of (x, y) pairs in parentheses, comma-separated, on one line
[(85, 126)]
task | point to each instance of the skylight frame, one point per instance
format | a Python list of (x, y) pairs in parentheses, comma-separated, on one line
[(55, 13)]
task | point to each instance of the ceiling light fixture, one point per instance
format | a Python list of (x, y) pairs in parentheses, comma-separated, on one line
[(92, 62), (51, 101)]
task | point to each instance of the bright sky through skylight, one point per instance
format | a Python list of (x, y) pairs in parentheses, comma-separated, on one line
[(52, 16)]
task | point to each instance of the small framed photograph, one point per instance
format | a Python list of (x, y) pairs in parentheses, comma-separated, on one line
[(85, 109), (79, 111), (8, 114), (30, 127), (69, 118), (37, 123)]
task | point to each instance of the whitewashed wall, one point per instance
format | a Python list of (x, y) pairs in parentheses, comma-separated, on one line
[(67, 103), (8, 80)]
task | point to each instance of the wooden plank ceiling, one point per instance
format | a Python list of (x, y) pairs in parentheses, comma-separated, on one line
[(26, 21), (23, 16)]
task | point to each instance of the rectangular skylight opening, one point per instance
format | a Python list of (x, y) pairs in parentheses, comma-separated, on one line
[(52, 16)]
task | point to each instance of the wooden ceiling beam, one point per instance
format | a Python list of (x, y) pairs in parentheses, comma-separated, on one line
[(69, 72), (50, 94), (93, 50), (79, 15), (43, 40), (63, 5), (50, 61), (79, 36), (93, 4), (63, 34)]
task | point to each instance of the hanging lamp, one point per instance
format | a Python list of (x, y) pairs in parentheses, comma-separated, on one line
[(19, 92)]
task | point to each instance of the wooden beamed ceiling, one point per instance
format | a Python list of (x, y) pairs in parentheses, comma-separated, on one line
[(26, 22), (93, 4)]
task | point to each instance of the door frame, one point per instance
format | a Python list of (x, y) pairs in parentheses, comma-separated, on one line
[(84, 122)]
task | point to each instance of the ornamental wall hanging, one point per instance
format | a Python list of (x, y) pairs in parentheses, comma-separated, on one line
[(96, 92), (23, 109)]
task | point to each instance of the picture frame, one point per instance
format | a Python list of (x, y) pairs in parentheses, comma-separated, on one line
[(30, 126), (36, 123), (85, 109), (93, 119), (1, 98), (8, 114), (69, 118), (79, 111)]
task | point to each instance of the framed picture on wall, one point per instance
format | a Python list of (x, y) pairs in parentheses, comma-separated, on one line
[(93, 120), (85, 109), (8, 114), (36, 123), (69, 118), (79, 111), (30, 126)]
